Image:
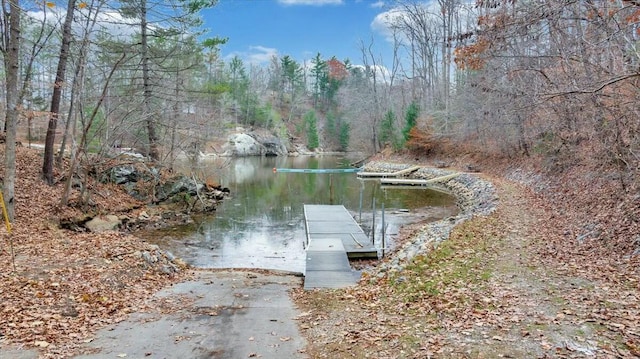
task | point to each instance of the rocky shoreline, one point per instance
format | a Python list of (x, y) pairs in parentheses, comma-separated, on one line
[(474, 197)]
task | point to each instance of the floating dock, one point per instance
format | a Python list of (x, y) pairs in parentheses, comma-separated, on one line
[(417, 182), (389, 174), (333, 237), (316, 170)]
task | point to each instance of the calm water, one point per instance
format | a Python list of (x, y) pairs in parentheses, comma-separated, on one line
[(261, 224)]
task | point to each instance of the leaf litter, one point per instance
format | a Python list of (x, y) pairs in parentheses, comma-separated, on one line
[(69, 284)]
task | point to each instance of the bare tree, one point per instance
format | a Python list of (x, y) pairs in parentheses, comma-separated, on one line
[(80, 65), (47, 165), (11, 52)]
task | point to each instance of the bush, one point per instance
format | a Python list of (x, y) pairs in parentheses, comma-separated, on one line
[(423, 141)]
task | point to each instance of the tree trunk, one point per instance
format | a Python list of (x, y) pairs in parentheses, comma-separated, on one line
[(75, 157), (12, 69), (47, 166), (77, 84), (154, 152)]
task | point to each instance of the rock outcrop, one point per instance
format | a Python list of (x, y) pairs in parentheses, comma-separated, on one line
[(253, 144), (169, 199)]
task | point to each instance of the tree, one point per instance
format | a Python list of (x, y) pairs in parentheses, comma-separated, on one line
[(410, 120), (336, 74), (11, 52), (292, 75), (387, 129), (311, 123), (320, 77), (79, 73), (292, 80), (343, 135), (181, 12), (82, 148), (56, 97)]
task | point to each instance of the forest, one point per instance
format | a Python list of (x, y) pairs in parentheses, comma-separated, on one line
[(553, 83)]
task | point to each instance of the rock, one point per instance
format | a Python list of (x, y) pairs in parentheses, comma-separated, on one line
[(175, 186), (143, 216), (472, 168), (253, 144), (242, 144), (148, 257), (103, 223), (123, 174), (169, 256), (167, 269), (272, 145)]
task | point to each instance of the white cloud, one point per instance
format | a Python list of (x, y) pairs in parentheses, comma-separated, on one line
[(256, 55), (383, 22), (377, 4), (311, 2), (109, 22), (382, 73)]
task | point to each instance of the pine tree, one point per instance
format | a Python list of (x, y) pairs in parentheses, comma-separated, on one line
[(387, 129), (410, 118), (311, 122), (344, 135)]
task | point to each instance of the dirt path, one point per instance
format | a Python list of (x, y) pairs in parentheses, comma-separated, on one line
[(487, 292)]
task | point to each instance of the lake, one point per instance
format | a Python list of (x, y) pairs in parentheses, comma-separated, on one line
[(261, 224)]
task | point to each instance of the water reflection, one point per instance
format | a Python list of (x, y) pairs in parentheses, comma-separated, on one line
[(261, 225)]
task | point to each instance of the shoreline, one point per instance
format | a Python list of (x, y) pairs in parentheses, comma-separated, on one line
[(474, 197)]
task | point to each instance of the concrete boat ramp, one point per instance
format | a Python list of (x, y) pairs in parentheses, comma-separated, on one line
[(333, 237)]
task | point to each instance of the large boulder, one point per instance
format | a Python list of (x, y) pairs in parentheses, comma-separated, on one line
[(128, 173), (103, 223), (273, 146), (178, 185), (124, 174), (241, 144), (253, 144)]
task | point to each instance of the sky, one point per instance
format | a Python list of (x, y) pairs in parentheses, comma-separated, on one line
[(259, 29)]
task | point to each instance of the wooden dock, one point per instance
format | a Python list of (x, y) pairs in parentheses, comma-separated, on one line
[(316, 170), (389, 174), (333, 236), (416, 182)]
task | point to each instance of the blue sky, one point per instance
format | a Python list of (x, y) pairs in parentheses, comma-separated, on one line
[(257, 29)]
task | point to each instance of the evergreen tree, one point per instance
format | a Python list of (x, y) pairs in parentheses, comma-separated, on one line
[(410, 119), (387, 129), (158, 21), (311, 123), (320, 77), (343, 136), (331, 125)]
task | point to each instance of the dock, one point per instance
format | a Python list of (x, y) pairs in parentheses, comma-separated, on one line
[(416, 182), (333, 237), (316, 170), (389, 174)]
